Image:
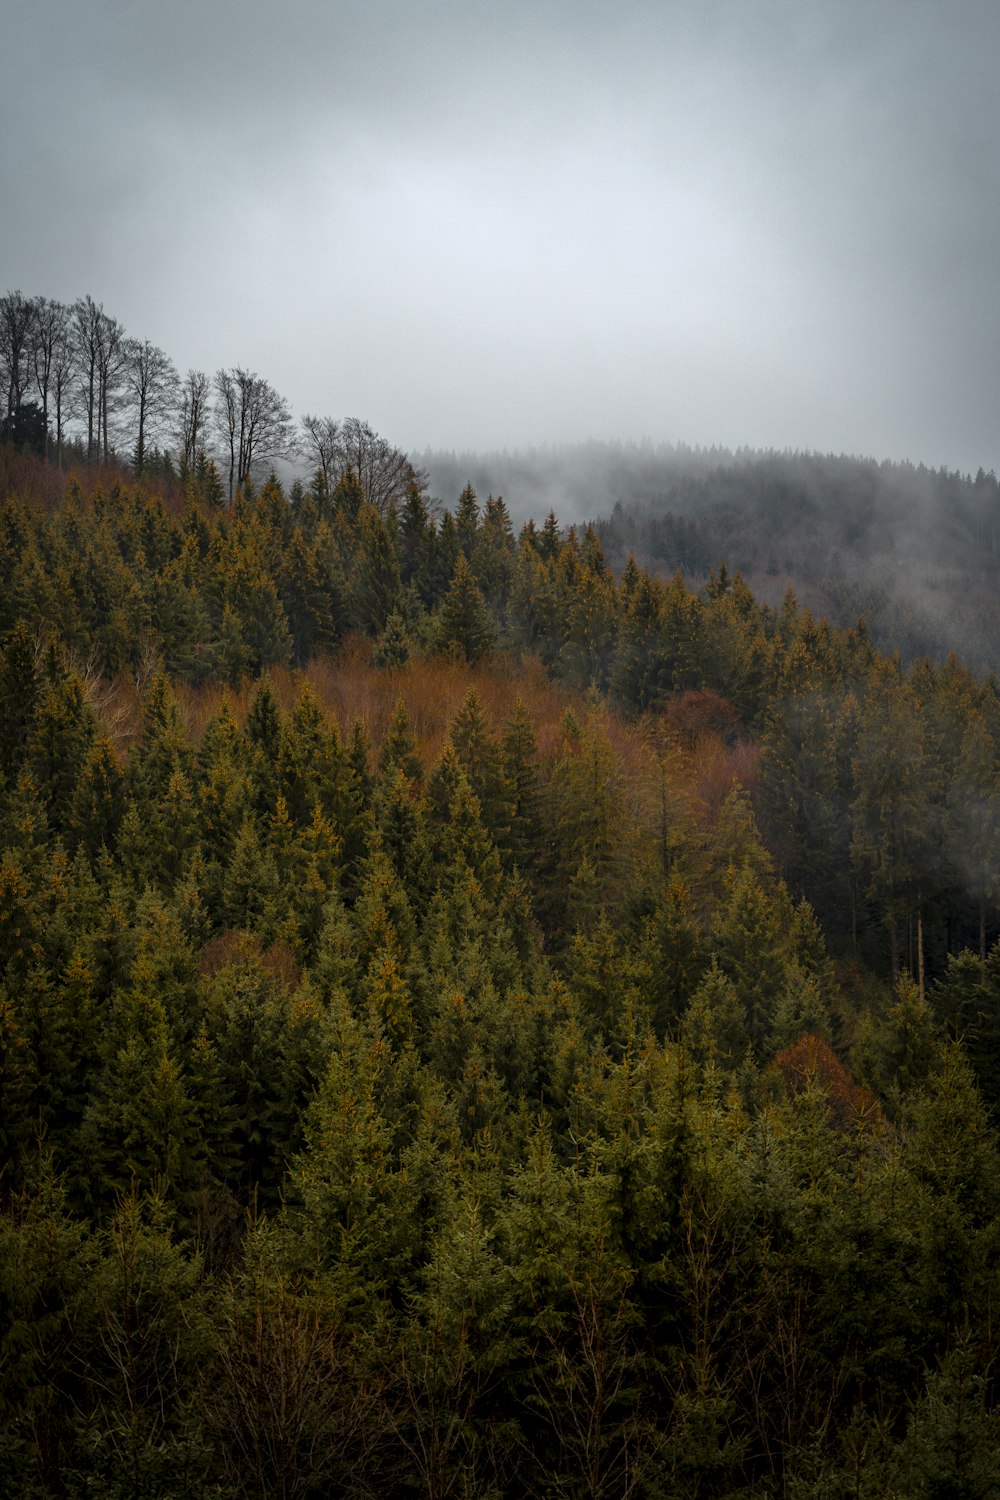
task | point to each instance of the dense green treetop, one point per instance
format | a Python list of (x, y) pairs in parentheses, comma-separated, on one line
[(473, 1023)]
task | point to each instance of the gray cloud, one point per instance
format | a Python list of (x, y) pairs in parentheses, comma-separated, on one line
[(765, 223)]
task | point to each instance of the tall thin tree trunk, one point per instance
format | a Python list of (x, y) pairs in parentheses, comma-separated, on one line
[(920, 953), (104, 419), (909, 942), (854, 918), (91, 404), (982, 929), (664, 845)]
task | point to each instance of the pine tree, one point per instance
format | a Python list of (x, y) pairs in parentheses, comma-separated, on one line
[(347, 1195), (672, 952), (481, 757), (951, 1447), (312, 598), (253, 598), (251, 890), (153, 1337), (458, 844), (589, 610), (139, 1125), (48, 1258), (19, 689), (463, 622), (383, 915), (749, 940), (494, 555), (522, 842), (62, 732), (309, 761), (417, 545), (270, 1054), (467, 520), (263, 731), (375, 582), (399, 824), (98, 798), (392, 648), (715, 1024), (164, 748), (586, 805), (399, 748), (387, 998), (640, 674)]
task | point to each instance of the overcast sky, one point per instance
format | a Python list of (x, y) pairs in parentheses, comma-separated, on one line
[(505, 224)]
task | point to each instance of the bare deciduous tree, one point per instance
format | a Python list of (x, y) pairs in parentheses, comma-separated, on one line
[(111, 367), (294, 1414), (65, 361), (151, 388), (321, 447), (384, 473), (193, 416), (86, 320), (17, 315), (99, 343), (254, 422), (50, 347)]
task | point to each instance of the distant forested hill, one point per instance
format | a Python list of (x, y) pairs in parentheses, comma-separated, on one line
[(914, 551), (475, 1024)]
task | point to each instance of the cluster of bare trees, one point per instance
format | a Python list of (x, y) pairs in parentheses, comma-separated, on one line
[(70, 371), (335, 449)]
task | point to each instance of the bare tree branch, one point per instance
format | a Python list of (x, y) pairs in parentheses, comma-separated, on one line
[(385, 475), (151, 385), (254, 422)]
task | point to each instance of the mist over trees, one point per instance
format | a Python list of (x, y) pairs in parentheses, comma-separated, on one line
[(477, 1016), (915, 552)]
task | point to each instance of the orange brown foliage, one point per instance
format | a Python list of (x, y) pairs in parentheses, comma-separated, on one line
[(348, 687), (235, 947), (811, 1061), (27, 477), (45, 486), (717, 767), (693, 714)]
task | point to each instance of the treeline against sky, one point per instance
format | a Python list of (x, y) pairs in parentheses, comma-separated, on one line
[(79, 388), (471, 1023), (914, 551)]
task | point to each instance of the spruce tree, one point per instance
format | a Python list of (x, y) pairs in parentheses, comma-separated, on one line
[(463, 622)]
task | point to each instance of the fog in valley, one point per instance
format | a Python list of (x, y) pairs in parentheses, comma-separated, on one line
[(914, 552), (717, 277), (499, 749)]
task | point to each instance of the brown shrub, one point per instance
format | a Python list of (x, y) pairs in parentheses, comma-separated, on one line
[(233, 946), (698, 712), (811, 1061)]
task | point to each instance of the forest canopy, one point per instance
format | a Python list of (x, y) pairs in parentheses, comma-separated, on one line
[(474, 1019)]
